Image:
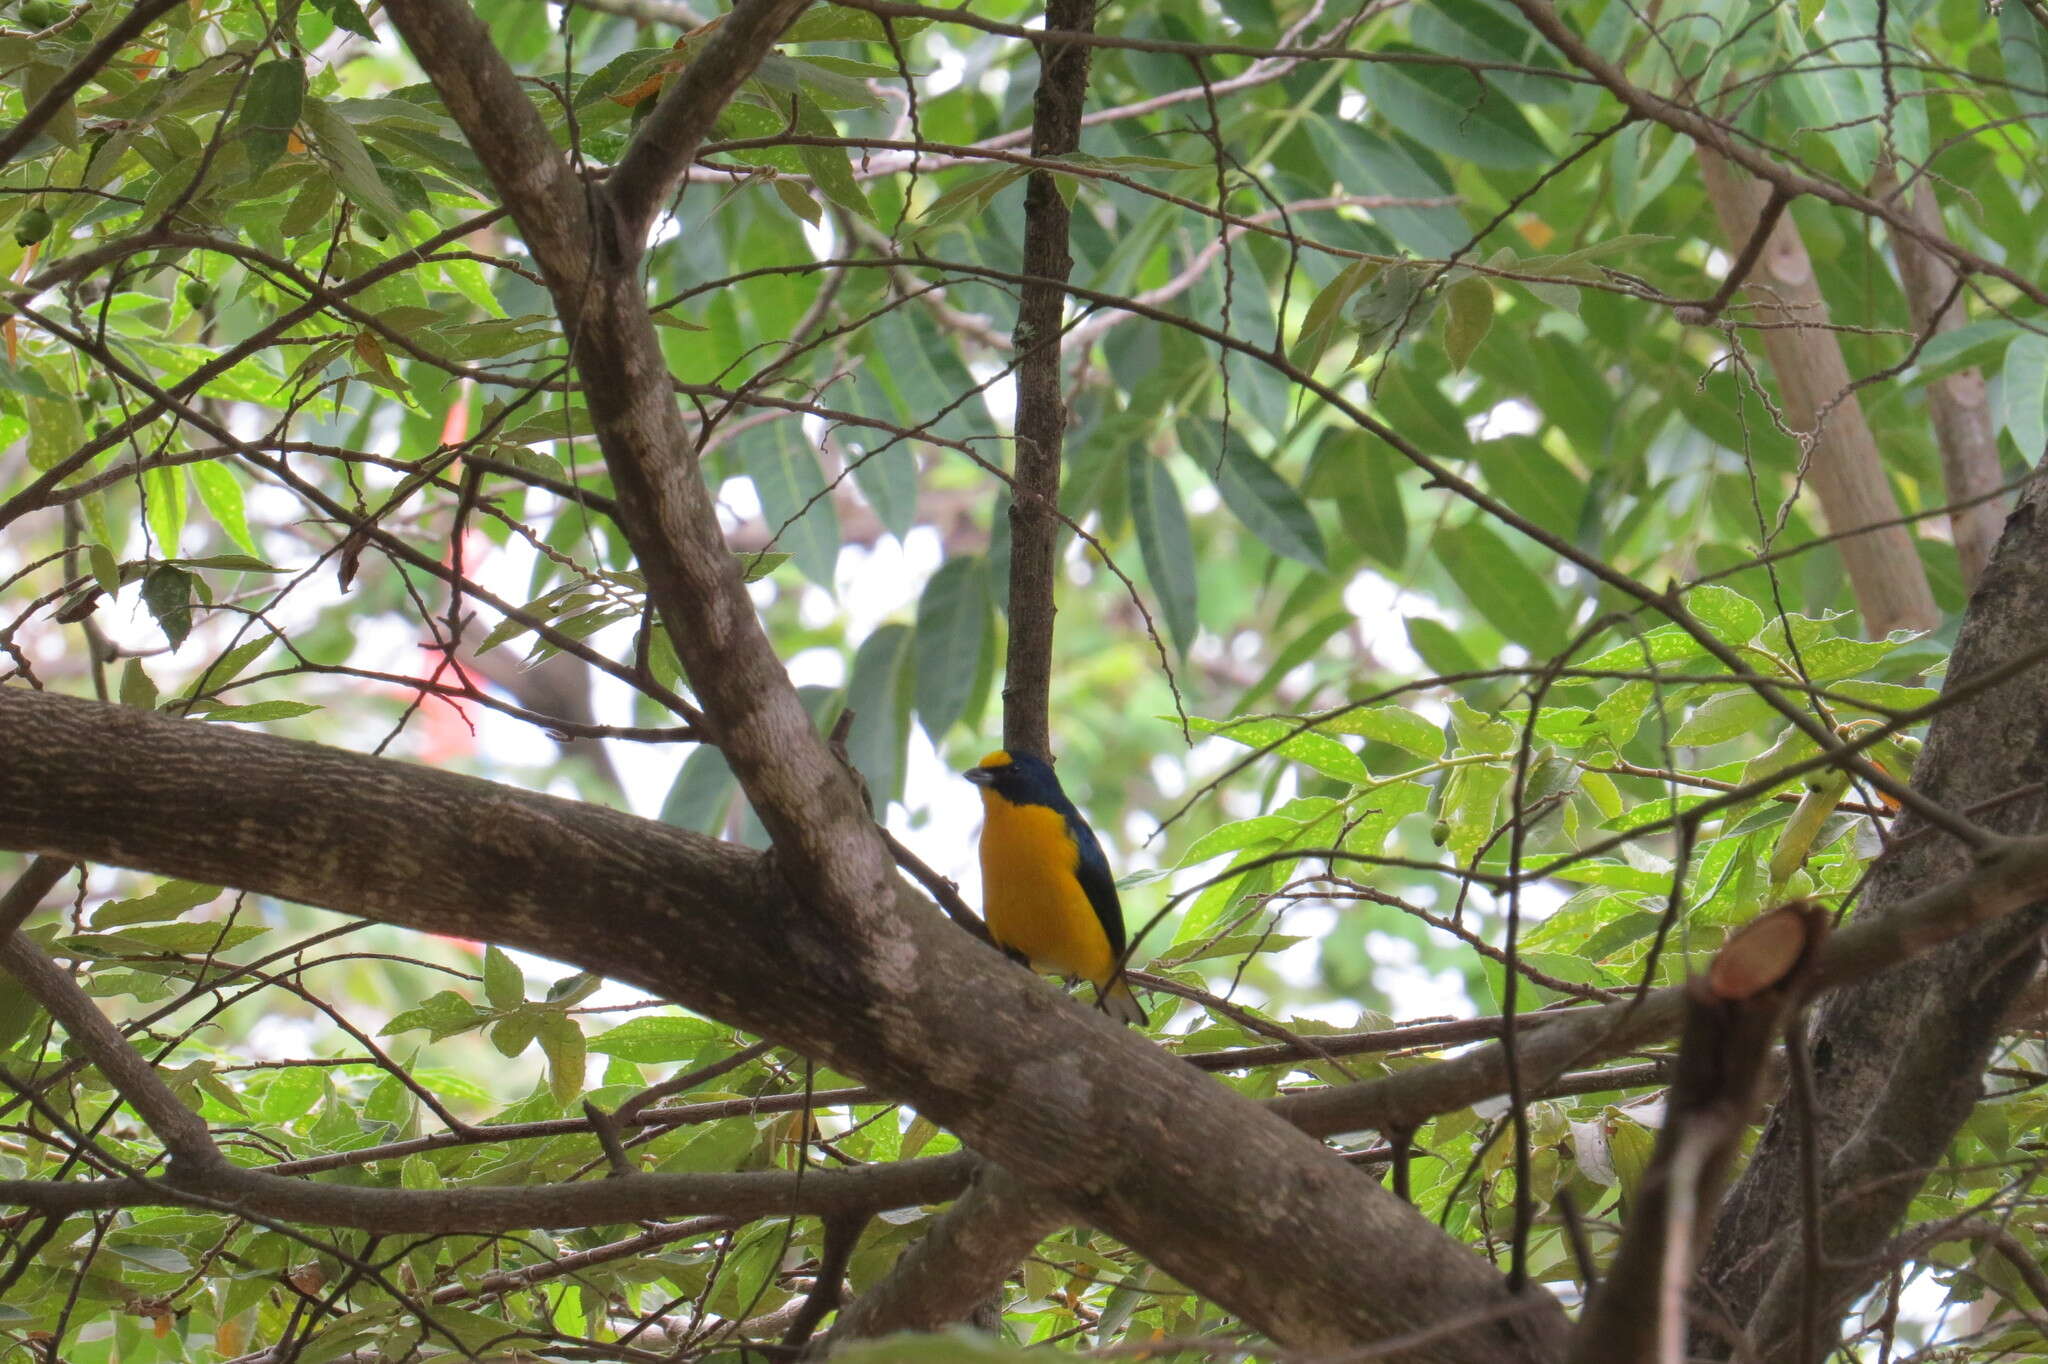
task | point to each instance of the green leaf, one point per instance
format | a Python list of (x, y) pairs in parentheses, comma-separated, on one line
[(1533, 482), (1730, 715), (54, 429), (830, 24), (152, 940), (878, 691), (658, 1038), (1651, 651), (1362, 476), (1307, 747), (1509, 593), (952, 616), (167, 592), (504, 982), (1392, 724), (1446, 109), (106, 569), (345, 154), (230, 666), (1467, 319), (1165, 545), (756, 566), (1392, 309), (2023, 394), (1731, 617), (256, 712), (513, 1033), (167, 901), (797, 200), (794, 502), (270, 110), (1326, 310), (1977, 343), (1238, 834), (1471, 807), (222, 495), (828, 167), (442, 1015), (1263, 501), (562, 1041), (155, 1259), (347, 16), (164, 508), (1366, 163), (1440, 647), (18, 1012), (137, 689), (701, 794)]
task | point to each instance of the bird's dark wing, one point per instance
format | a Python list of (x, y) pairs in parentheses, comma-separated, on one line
[(1092, 871)]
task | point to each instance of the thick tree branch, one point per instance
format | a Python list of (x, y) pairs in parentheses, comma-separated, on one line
[(1847, 470), (28, 891), (481, 1208), (1899, 1060), (1734, 1011), (665, 145), (179, 1128), (965, 1256), (1041, 405), (2009, 878), (1155, 1156), (866, 978)]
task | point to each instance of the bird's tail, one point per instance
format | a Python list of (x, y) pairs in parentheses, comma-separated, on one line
[(1119, 1003)]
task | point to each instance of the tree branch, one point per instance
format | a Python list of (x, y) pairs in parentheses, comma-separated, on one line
[(181, 1130), (2011, 877), (481, 1209), (1847, 469), (131, 26), (1957, 403), (665, 145), (965, 1256), (1899, 1061), (1041, 405), (927, 1015)]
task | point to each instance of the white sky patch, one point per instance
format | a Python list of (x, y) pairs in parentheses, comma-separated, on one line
[(1511, 418), (819, 667), (737, 500), (1380, 608), (1411, 990)]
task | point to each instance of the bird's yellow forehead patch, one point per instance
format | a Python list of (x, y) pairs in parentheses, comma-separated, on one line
[(999, 758)]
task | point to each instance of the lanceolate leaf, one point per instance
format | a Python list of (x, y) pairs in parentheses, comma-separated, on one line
[(1265, 502), (953, 615), (1163, 540)]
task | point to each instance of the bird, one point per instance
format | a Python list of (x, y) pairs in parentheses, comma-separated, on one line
[(1046, 888)]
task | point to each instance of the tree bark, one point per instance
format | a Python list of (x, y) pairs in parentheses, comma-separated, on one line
[(1041, 404), (1846, 469), (1222, 1194), (1956, 402), (1898, 1060)]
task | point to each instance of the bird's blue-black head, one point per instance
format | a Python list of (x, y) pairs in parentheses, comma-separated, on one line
[(1020, 778)]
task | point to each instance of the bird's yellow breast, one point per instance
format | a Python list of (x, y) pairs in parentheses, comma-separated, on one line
[(1033, 902)]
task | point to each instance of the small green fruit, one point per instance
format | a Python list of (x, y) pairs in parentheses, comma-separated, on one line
[(32, 226), (198, 293)]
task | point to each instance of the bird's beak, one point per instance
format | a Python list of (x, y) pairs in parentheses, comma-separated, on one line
[(980, 776)]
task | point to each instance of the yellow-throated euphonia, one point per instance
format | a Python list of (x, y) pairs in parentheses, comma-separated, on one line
[(1045, 884)]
